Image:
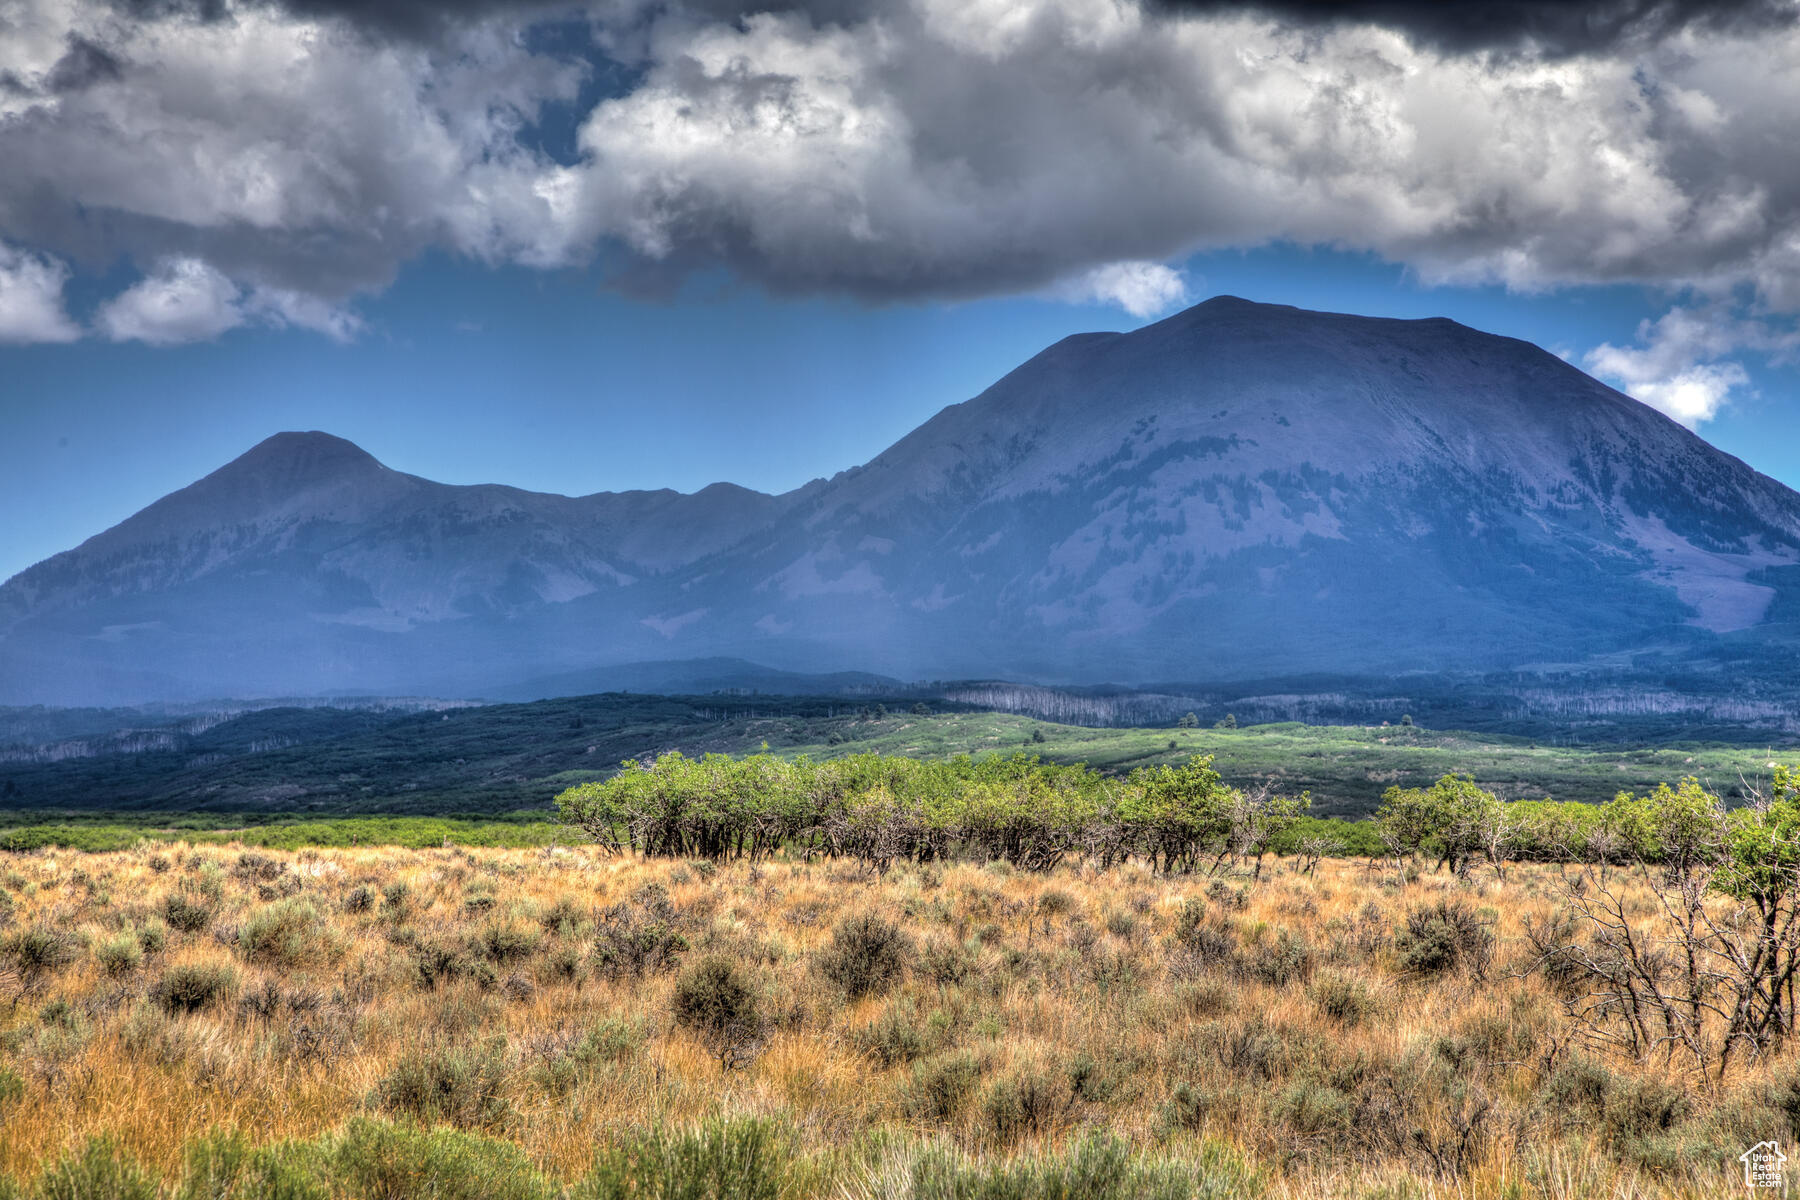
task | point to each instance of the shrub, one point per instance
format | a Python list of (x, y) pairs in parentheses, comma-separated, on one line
[(1029, 1104), (1444, 936), (507, 941), (460, 1086), (1100, 1167), (37, 952), (716, 999), (223, 1165), (940, 1086), (1288, 960), (1209, 940), (376, 1159), (189, 987), (892, 1041), (360, 900), (284, 934), (154, 936), (867, 955), (119, 954), (640, 937), (100, 1170), (12, 1088), (1342, 998), (948, 963), (185, 913), (744, 1159)]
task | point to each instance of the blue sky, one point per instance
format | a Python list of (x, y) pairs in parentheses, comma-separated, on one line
[(665, 242)]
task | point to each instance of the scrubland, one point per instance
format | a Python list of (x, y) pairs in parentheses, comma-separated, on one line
[(228, 1022)]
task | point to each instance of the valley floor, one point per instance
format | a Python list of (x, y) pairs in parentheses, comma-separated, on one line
[(519, 1022)]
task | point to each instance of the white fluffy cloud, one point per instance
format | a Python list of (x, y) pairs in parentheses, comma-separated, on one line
[(915, 149), (1683, 365), (31, 301), (1143, 289), (184, 300)]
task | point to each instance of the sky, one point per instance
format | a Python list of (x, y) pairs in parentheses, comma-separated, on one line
[(638, 244)]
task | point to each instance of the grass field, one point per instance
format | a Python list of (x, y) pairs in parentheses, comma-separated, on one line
[(517, 1022)]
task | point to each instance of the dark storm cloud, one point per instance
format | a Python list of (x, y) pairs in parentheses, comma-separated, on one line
[(84, 65), (257, 163), (1556, 27)]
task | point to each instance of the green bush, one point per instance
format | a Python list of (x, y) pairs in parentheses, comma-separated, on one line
[(461, 1086), (893, 1040), (119, 954), (185, 913), (508, 941), (395, 1162), (721, 1160), (1032, 1103), (37, 952), (1343, 998), (1287, 960), (866, 956), (224, 1165), (192, 986), (1098, 1168), (100, 1170), (284, 934), (1442, 936), (12, 1088), (941, 1085), (716, 998)]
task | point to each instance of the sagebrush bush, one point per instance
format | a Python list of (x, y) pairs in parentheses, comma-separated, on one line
[(1033, 1103), (508, 940), (1097, 1168), (188, 987), (1343, 998), (940, 1086), (36, 952), (119, 954), (716, 998), (892, 1040), (100, 1170), (225, 1165), (12, 1088), (744, 1159), (186, 913), (1444, 935), (866, 956), (284, 934), (397, 1162), (461, 1085)]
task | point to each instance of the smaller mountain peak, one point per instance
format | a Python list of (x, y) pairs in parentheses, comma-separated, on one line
[(311, 444), (288, 461)]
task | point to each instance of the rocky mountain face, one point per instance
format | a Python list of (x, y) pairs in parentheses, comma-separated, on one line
[(1241, 490)]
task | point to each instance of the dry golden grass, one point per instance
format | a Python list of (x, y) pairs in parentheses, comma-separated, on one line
[(1069, 1001)]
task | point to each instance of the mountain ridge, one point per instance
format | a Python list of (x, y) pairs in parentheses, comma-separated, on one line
[(1239, 490)]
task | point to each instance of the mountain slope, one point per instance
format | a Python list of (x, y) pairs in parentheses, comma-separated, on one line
[(1241, 489)]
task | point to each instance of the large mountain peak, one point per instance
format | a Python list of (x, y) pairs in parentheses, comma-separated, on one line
[(1240, 490)]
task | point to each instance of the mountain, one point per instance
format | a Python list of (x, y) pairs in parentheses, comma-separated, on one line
[(1242, 490)]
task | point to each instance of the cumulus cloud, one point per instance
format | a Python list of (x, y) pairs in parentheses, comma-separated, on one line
[(1143, 289), (1682, 364), (1550, 26), (31, 298), (303, 150), (184, 300)]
